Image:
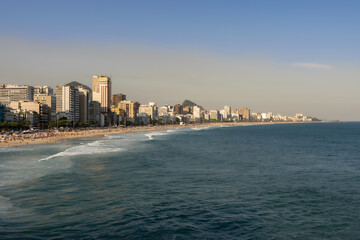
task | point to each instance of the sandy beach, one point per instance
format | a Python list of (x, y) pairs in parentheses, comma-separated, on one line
[(46, 138)]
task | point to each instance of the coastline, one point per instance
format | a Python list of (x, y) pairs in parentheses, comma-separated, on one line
[(95, 133)]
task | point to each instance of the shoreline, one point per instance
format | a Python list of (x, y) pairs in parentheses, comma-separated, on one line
[(96, 133)]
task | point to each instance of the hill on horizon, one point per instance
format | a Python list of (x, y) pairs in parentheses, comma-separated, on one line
[(190, 103)]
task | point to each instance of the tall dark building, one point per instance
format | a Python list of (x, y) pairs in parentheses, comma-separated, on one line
[(178, 109), (118, 98)]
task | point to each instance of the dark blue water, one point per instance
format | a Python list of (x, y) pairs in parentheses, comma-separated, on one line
[(290, 181)]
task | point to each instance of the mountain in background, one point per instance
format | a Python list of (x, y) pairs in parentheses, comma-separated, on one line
[(190, 103), (77, 84)]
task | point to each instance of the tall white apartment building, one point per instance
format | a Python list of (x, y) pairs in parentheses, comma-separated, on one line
[(67, 101), (196, 112)]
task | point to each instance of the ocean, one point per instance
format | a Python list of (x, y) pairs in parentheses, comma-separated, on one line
[(283, 181)]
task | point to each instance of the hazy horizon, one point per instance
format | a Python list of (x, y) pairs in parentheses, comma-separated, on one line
[(281, 57)]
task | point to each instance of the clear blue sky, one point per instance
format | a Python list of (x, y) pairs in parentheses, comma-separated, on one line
[(288, 32)]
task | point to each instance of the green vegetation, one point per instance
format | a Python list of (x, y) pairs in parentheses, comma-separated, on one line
[(14, 125)]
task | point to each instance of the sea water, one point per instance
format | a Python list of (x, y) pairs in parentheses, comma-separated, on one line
[(285, 181)]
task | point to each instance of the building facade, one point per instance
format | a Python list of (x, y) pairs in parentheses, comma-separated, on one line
[(149, 110), (214, 115), (178, 109), (245, 113), (10, 93), (118, 98), (101, 87), (43, 90), (131, 108), (67, 100), (50, 101), (94, 112)]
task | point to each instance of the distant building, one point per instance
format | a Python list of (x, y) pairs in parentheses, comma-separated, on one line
[(227, 113), (143, 118), (118, 111), (245, 113), (116, 98), (188, 109), (101, 87), (256, 117), (206, 116), (235, 111), (118, 115), (67, 100), (264, 116), (235, 116), (10, 93), (215, 115), (178, 109), (43, 90), (197, 112), (50, 101), (34, 112), (131, 108), (94, 112), (163, 111), (85, 96), (150, 110)]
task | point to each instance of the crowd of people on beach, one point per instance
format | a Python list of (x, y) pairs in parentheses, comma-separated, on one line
[(10, 138)]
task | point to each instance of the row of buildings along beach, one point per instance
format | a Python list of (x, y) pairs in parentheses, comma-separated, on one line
[(77, 104)]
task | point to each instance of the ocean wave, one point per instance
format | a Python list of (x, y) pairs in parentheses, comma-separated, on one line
[(96, 147), (152, 134), (200, 128)]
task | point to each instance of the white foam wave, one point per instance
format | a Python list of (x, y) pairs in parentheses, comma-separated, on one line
[(200, 128), (152, 134), (96, 147)]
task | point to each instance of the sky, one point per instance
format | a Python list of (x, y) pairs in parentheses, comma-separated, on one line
[(271, 56)]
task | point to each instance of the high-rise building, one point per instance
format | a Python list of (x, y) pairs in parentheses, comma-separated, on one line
[(178, 109), (10, 93), (94, 112), (245, 113), (227, 112), (118, 98), (50, 101), (215, 115), (67, 101), (196, 112), (131, 108), (85, 96), (43, 90), (101, 87)]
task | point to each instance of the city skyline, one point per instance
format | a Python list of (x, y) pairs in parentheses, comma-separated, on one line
[(280, 56)]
